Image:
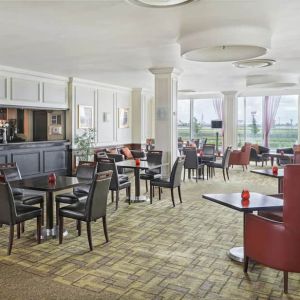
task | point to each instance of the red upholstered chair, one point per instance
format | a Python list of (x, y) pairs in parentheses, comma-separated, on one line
[(241, 157), (277, 244)]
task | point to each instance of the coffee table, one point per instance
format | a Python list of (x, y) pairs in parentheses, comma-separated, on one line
[(257, 202), (42, 184), (278, 155), (144, 165), (269, 173)]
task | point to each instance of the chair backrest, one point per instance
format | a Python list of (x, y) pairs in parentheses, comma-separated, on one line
[(191, 158), (97, 200), (155, 157), (209, 149), (7, 205), (297, 157), (291, 204), (108, 164), (86, 169), (10, 171), (245, 153), (175, 177), (253, 154), (101, 154), (226, 157)]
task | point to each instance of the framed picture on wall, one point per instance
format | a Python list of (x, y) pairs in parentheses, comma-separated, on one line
[(85, 116), (123, 117)]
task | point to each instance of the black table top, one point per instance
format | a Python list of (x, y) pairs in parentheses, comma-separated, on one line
[(275, 154), (269, 172), (256, 201), (144, 165), (42, 184)]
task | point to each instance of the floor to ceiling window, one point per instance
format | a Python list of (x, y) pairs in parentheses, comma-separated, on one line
[(194, 119), (268, 120)]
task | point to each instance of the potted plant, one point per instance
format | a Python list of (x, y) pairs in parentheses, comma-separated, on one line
[(85, 143)]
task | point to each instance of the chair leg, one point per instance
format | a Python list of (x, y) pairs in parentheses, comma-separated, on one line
[(151, 192), (18, 230), (183, 174), (79, 227), (224, 175), (11, 239), (172, 195), (112, 196), (246, 167), (89, 234), (197, 173), (159, 193), (23, 227), (285, 282), (129, 195), (179, 194), (105, 228), (57, 204), (42, 208), (246, 262), (227, 172), (38, 228), (117, 199), (243, 168), (146, 181), (61, 228)]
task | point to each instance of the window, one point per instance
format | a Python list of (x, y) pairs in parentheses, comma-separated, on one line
[(249, 120), (194, 120), (283, 125), (183, 120)]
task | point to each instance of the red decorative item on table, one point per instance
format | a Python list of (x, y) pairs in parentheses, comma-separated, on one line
[(52, 178), (137, 162), (275, 170), (245, 195)]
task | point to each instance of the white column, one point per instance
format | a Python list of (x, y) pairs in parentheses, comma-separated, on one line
[(137, 116), (166, 80), (230, 118)]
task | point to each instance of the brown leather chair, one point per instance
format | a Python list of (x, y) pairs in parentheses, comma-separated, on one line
[(241, 157), (90, 210), (12, 213), (277, 244)]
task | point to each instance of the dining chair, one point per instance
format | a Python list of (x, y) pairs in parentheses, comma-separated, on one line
[(192, 163), (11, 172), (14, 213), (224, 165), (85, 170), (173, 182), (272, 243), (209, 153), (90, 210), (117, 182), (153, 157)]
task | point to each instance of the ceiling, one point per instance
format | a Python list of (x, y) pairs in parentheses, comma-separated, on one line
[(116, 42)]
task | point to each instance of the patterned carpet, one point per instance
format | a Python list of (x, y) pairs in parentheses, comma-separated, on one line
[(155, 252)]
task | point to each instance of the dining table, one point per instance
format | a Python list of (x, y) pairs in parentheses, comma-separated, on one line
[(256, 202), (137, 168), (42, 184), (269, 172), (273, 155)]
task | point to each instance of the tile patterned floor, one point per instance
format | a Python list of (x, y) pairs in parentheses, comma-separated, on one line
[(156, 251)]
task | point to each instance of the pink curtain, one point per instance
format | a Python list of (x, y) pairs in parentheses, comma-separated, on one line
[(271, 104)]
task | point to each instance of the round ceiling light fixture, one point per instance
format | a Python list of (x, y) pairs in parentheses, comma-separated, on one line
[(254, 63), (271, 81), (161, 3), (223, 44)]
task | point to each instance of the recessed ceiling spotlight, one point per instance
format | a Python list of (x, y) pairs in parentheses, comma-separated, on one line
[(228, 43), (254, 63), (161, 3)]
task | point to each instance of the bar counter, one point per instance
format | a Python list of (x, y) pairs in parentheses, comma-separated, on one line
[(37, 158)]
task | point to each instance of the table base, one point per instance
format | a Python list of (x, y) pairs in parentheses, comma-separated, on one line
[(236, 254), (50, 233), (137, 199)]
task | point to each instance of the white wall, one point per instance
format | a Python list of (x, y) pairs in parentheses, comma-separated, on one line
[(103, 98)]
